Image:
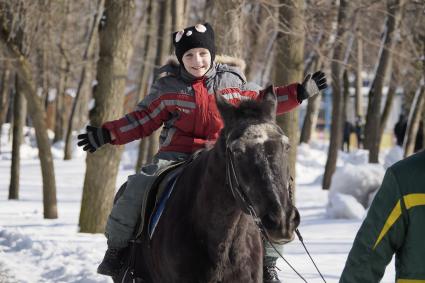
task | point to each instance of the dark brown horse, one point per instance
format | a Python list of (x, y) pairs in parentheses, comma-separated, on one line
[(204, 235)]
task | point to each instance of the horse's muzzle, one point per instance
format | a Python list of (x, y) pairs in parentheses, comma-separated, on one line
[(280, 225)]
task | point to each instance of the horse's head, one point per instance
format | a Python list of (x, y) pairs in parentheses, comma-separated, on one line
[(257, 159)]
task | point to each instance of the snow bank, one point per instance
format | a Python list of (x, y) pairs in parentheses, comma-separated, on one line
[(345, 207), (394, 154), (357, 181), (47, 260)]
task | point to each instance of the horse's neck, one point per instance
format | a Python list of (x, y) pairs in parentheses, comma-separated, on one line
[(221, 225), (215, 208)]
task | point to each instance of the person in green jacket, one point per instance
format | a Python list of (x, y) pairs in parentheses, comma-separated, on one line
[(395, 224)]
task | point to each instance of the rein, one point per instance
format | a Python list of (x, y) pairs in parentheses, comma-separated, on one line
[(246, 205)]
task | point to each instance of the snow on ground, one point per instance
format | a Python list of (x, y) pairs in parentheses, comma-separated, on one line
[(33, 249)]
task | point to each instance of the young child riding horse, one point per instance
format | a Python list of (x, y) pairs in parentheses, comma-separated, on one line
[(183, 102)]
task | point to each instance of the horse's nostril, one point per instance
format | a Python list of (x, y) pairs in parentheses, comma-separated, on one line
[(270, 221)]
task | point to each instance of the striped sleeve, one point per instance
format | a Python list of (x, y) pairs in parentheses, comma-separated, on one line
[(286, 98), (150, 114)]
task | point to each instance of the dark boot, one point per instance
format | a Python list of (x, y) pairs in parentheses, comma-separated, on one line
[(270, 273), (112, 262)]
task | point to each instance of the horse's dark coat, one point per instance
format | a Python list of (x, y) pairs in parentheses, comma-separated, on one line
[(203, 235)]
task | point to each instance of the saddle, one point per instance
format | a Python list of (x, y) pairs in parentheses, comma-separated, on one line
[(156, 197), (154, 203)]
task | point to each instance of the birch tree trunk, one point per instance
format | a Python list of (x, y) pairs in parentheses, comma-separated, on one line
[(337, 69), (115, 39), (289, 66), (19, 115), (372, 127)]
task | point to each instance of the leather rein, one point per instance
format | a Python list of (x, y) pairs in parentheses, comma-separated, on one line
[(247, 207)]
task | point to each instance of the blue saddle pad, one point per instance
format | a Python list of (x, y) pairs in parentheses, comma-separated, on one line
[(159, 208)]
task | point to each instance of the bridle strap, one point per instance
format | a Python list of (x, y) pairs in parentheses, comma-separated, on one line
[(246, 204), (239, 195), (247, 207)]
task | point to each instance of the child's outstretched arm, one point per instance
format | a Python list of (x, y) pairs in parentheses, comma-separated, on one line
[(290, 96), (150, 114)]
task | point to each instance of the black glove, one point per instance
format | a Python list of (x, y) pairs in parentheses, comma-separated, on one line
[(311, 85), (94, 138)]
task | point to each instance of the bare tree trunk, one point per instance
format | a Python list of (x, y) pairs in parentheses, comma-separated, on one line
[(4, 95), (346, 93), (289, 64), (82, 111), (163, 50), (83, 77), (178, 15), (38, 115), (337, 69), (64, 69), (261, 37), (314, 63), (226, 18), (115, 39), (19, 115), (388, 105), (4, 98), (60, 100), (359, 79), (372, 127), (312, 112), (147, 67), (416, 110)]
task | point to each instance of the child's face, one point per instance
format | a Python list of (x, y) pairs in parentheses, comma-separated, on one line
[(197, 61)]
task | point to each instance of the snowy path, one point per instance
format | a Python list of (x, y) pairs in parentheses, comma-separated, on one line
[(5, 276)]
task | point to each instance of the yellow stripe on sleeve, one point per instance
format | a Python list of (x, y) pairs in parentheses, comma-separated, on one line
[(394, 215), (412, 200)]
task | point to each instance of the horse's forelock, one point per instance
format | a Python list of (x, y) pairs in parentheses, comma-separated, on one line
[(253, 110)]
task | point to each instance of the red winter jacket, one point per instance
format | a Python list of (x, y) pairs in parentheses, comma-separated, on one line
[(186, 107)]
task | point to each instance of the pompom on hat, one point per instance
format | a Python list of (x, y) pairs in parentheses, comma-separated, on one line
[(198, 36)]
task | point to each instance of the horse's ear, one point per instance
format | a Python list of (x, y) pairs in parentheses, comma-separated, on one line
[(269, 103), (225, 108)]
